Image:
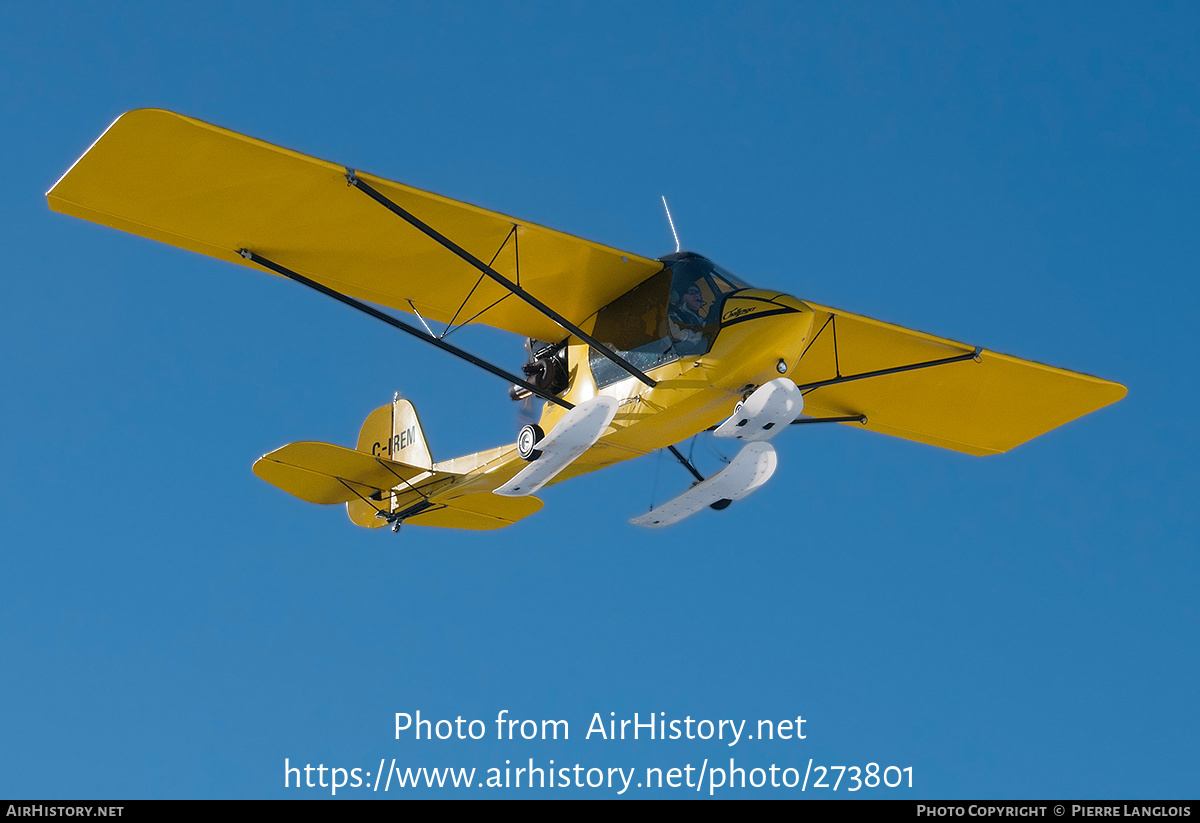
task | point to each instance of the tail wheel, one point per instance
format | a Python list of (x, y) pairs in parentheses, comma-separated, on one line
[(527, 439)]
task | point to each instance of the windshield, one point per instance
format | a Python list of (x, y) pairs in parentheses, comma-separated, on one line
[(676, 313)]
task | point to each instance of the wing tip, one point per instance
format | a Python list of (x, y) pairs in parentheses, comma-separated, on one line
[(124, 117), (109, 128)]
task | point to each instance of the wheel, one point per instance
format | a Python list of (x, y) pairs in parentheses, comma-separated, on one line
[(527, 439)]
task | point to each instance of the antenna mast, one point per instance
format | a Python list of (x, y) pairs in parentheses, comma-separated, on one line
[(672, 222)]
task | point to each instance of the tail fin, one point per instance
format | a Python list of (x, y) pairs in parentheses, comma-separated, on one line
[(393, 431), (376, 479)]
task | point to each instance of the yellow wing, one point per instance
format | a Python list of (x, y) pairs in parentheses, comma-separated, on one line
[(983, 407), (204, 188)]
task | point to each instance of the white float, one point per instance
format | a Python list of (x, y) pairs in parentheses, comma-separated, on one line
[(753, 466), (579, 429), (765, 413)]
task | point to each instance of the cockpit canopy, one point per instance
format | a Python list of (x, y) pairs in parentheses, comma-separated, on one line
[(676, 313)]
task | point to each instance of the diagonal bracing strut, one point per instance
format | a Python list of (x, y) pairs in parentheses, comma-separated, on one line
[(428, 338), (849, 418), (353, 179), (405, 327), (833, 381)]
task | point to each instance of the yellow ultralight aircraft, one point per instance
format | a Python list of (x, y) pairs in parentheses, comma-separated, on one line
[(630, 354)]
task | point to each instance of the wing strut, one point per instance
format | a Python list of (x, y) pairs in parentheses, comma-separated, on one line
[(428, 338), (971, 355), (353, 180), (400, 324), (850, 418)]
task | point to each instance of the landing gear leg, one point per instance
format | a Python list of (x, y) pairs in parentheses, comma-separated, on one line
[(393, 520)]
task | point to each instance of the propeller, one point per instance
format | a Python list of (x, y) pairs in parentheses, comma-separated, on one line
[(526, 414)]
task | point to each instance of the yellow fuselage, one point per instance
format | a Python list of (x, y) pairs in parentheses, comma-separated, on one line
[(760, 330), (762, 335)]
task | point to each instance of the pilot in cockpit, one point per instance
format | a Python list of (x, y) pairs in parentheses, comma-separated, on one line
[(686, 317)]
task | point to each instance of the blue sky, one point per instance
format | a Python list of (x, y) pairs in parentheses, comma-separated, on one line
[(1014, 176)]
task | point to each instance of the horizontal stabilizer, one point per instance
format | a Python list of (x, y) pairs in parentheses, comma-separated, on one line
[(477, 512), (324, 473), (753, 466), (575, 433)]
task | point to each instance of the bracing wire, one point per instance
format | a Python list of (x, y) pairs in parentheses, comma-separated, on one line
[(712, 447), (654, 484)]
